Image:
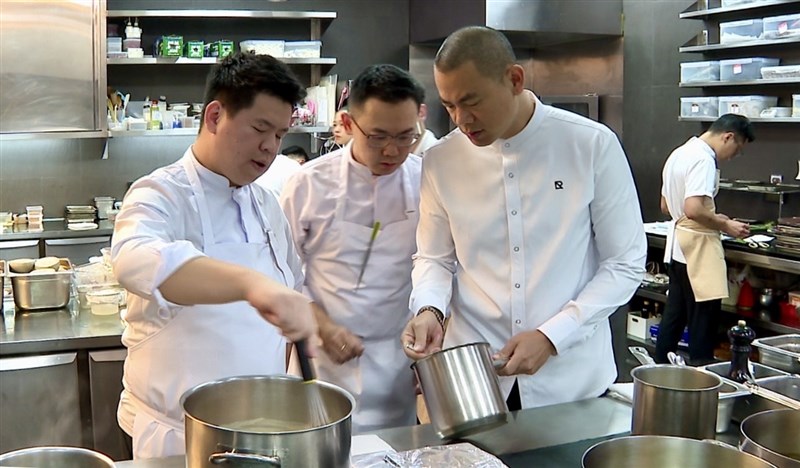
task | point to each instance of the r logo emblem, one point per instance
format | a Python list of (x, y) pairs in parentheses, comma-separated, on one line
[(559, 185)]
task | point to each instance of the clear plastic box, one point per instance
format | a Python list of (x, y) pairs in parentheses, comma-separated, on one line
[(302, 49), (731, 3), (748, 106), (780, 27), (744, 69), (795, 105), (781, 73), (740, 31), (699, 106), (692, 72), (263, 47)]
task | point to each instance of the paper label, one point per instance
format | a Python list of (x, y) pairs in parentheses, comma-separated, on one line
[(737, 69)]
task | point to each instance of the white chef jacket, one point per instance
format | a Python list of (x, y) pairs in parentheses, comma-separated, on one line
[(277, 174), (690, 171), (159, 230), (542, 231), (428, 139)]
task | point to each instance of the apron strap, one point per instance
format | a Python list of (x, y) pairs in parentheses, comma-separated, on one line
[(199, 194)]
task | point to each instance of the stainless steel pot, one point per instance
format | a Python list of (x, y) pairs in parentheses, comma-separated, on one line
[(774, 436), (62, 457), (267, 420), (461, 390), (675, 401), (666, 452)]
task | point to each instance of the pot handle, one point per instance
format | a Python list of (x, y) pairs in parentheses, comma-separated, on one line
[(231, 457)]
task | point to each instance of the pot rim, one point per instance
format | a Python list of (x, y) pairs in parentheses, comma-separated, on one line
[(188, 393), (683, 369), (57, 448), (760, 445), (446, 351)]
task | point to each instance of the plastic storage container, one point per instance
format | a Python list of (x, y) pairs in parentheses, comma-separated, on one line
[(744, 69), (749, 106), (273, 48), (781, 73), (692, 72), (732, 3), (795, 105), (779, 27), (302, 49), (105, 301), (740, 31), (699, 106)]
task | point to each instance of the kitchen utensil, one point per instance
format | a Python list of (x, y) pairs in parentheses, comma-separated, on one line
[(674, 400), (461, 390), (675, 359), (316, 407), (666, 452), (773, 436), (266, 420), (61, 457), (781, 352), (641, 355), (376, 227)]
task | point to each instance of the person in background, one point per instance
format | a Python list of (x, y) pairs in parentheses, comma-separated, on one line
[(354, 215), (341, 135), (207, 257), (296, 153), (428, 138), (530, 232), (698, 279)]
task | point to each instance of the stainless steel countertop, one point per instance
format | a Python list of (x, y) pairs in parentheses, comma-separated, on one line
[(527, 430), (57, 330), (54, 229)]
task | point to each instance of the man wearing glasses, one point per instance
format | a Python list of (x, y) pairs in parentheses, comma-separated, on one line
[(353, 214), (698, 279)]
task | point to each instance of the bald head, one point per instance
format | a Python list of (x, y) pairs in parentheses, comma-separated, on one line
[(486, 48)]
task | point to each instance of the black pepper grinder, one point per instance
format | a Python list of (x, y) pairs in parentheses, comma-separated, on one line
[(740, 337)]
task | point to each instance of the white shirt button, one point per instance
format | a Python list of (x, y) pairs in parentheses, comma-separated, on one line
[(516, 249), (518, 321), (513, 212), (517, 285), (510, 175), (507, 145)]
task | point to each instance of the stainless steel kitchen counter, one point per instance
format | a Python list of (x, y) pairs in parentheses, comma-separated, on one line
[(58, 330), (56, 229), (550, 433)]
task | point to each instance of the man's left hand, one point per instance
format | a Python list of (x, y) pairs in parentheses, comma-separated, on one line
[(526, 353)]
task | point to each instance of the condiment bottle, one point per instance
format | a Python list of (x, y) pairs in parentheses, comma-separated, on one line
[(740, 337)]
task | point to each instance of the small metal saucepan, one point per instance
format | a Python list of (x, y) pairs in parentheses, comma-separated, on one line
[(774, 436), (461, 390)]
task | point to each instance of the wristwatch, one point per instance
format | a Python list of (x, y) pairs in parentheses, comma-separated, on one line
[(438, 313)]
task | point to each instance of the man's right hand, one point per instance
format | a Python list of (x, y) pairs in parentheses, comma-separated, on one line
[(339, 343), (736, 229), (422, 336)]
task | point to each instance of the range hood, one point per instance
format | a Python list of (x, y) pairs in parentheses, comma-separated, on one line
[(526, 23)]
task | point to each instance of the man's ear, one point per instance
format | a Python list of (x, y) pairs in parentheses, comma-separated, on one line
[(347, 122), (423, 112), (516, 75), (212, 115)]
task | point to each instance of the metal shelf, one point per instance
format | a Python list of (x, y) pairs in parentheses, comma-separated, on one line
[(767, 191), (300, 15), (759, 323), (648, 293), (193, 131), (210, 60), (739, 45), (695, 13), (706, 84), (795, 120)]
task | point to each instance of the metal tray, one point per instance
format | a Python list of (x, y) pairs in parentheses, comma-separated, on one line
[(760, 371), (781, 352), (35, 291), (786, 385)]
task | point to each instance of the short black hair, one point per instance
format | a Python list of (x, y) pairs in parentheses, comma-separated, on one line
[(240, 77), (488, 49), (387, 83), (738, 124), (294, 149)]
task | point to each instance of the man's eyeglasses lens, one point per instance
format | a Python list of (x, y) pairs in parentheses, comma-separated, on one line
[(382, 141)]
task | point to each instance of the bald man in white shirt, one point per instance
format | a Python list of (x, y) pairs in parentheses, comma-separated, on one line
[(530, 232)]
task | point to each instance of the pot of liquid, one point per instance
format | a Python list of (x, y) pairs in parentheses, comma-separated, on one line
[(267, 421)]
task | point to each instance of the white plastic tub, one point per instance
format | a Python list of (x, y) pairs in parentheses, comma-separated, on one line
[(781, 73), (749, 106), (780, 27), (744, 69), (263, 47), (740, 31), (795, 105), (302, 49), (692, 72), (699, 106)]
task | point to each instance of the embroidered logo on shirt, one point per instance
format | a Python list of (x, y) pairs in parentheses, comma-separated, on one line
[(558, 184)]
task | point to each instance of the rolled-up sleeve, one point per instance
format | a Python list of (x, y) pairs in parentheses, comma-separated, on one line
[(147, 247)]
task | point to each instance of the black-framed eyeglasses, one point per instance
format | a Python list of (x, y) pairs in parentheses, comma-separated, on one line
[(382, 141)]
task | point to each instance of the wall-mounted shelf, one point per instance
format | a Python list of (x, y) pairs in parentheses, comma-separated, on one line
[(210, 60), (793, 120), (300, 15), (739, 45), (706, 84), (193, 131), (696, 12), (767, 190)]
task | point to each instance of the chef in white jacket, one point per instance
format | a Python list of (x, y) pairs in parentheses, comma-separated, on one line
[(354, 216), (530, 231), (207, 256)]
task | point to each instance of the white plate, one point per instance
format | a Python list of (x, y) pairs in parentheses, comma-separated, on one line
[(81, 226)]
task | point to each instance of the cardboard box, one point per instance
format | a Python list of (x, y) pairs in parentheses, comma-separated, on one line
[(640, 327)]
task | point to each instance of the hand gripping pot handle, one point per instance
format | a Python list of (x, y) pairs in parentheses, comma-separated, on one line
[(236, 458)]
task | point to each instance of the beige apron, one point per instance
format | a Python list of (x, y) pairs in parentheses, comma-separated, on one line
[(705, 258)]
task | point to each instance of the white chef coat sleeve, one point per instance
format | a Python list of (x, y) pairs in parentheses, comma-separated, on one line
[(434, 261), (294, 197), (700, 179), (621, 247), (145, 247)]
